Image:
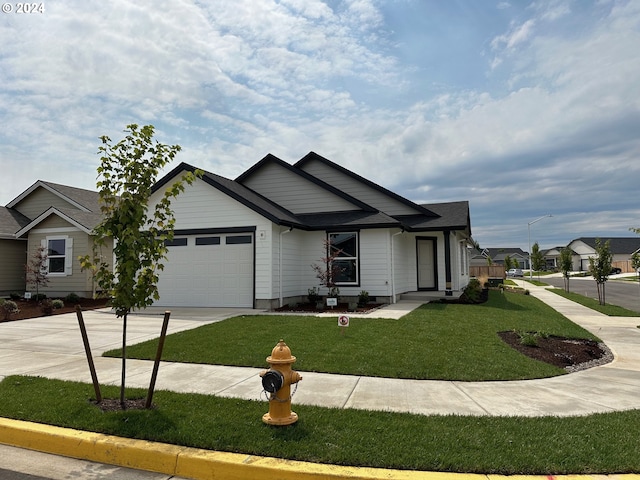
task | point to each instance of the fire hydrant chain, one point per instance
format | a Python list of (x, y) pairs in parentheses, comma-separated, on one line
[(274, 396), (276, 383)]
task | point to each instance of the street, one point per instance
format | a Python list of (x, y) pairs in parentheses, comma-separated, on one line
[(21, 464), (617, 292)]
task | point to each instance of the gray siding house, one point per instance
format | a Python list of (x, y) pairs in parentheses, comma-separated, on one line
[(252, 241), (59, 218)]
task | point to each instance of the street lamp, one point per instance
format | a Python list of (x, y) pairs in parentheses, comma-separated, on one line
[(529, 230)]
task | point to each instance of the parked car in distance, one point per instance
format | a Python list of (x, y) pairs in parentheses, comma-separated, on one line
[(514, 272), (615, 271)]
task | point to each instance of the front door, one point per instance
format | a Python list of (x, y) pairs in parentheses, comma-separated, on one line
[(427, 272)]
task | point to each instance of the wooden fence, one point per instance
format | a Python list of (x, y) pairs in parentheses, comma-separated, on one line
[(489, 271)]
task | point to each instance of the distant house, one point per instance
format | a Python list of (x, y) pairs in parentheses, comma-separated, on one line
[(252, 241), (498, 255), (621, 248), (61, 219)]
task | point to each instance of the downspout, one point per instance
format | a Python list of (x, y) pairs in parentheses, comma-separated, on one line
[(280, 302), (393, 269)]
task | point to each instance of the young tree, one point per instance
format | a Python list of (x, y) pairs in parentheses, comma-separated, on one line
[(635, 264), (600, 267), (507, 263), (566, 265), (328, 271), (127, 172), (537, 259), (36, 270)]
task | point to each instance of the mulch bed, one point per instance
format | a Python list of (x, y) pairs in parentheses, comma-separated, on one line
[(570, 354), (33, 309), (340, 308)]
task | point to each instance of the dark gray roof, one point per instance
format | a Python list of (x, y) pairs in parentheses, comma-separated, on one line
[(89, 199), (437, 216), (619, 245), (451, 216), (11, 221)]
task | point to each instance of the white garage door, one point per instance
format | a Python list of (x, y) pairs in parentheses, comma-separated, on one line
[(208, 271)]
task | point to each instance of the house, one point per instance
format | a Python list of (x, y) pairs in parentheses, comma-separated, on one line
[(497, 255), (621, 249), (59, 218), (252, 241)]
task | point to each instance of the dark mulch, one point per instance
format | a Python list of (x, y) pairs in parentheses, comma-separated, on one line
[(114, 405), (340, 308), (33, 309), (570, 354)]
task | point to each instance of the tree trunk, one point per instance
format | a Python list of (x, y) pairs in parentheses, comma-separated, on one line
[(123, 402)]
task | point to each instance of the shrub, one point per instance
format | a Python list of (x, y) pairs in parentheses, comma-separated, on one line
[(57, 303), (72, 298), (529, 339), (313, 295), (38, 297), (47, 306), (15, 296), (363, 298), (472, 291), (8, 308)]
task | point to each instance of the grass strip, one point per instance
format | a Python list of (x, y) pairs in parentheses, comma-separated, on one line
[(438, 341), (592, 303), (602, 443)]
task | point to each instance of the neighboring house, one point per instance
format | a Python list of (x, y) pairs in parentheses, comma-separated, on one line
[(497, 256), (621, 249), (252, 241), (59, 218), (552, 257)]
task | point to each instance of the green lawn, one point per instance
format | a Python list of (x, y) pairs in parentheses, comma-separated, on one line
[(437, 341), (608, 309), (603, 443)]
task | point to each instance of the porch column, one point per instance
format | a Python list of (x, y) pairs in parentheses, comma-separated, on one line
[(447, 263)]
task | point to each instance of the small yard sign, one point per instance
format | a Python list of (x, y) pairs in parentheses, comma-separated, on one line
[(343, 322)]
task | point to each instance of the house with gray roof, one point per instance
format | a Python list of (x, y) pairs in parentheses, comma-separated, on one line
[(252, 241), (59, 218), (622, 248)]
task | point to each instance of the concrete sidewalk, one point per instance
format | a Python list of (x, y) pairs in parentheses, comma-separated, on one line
[(52, 347)]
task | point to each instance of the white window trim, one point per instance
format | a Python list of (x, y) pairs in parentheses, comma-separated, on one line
[(68, 255)]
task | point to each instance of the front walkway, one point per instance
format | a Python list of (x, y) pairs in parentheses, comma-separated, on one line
[(52, 347)]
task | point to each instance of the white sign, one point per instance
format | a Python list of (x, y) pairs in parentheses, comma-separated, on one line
[(27, 295), (343, 321), (332, 302)]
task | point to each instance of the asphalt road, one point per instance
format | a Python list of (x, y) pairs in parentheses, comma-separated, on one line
[(617, 292)]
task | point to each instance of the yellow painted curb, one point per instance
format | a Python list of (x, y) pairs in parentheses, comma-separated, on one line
[(201, 464)]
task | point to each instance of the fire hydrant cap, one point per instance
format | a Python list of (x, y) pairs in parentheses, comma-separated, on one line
[(281, 353)]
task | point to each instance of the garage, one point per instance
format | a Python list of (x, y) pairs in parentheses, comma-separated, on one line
[(208, 270)]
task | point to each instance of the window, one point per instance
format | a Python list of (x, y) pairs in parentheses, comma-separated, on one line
[(238, 240), (59, 255), (208, 241), (176, 242), (345, 247)]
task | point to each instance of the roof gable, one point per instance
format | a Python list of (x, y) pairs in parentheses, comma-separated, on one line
[(85, 221), (297, 190), (238, 192), (79, 198), (359, 187)]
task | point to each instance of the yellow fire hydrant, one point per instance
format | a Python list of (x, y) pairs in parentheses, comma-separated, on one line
[(277, 382)]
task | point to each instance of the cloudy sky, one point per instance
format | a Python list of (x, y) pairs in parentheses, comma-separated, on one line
[(524, 108)]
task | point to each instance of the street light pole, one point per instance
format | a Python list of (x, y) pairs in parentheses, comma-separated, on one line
[(529, 230)]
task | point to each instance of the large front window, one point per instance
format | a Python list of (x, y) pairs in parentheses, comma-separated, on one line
[(344, 246)]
